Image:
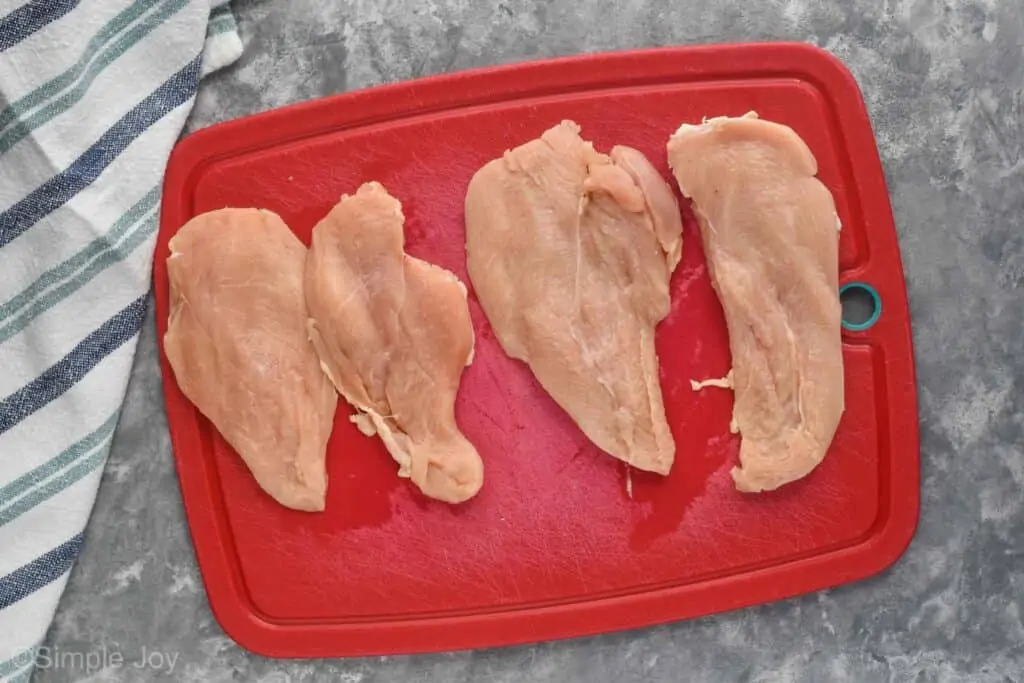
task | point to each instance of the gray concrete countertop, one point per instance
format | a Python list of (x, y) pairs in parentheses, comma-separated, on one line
[(943, 83)]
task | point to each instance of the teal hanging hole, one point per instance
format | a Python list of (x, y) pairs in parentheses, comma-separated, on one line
[(862, 307)]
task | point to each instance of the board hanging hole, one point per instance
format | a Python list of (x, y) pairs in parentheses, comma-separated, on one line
[(862, 307)]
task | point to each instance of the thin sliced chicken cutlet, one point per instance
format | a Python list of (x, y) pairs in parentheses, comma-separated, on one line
[(394, 335), (570, 254), (237, 342), (771, 236)]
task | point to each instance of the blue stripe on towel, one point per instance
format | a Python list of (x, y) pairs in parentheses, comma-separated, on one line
[(85, 169), (40, 572), (74, 366), (29, 18)]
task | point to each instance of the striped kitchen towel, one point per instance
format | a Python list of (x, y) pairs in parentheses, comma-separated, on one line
[(93, 95)]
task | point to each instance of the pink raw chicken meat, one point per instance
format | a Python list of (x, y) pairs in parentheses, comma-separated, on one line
[(771, 236), (394, 335), (237, 342), (570, 253)]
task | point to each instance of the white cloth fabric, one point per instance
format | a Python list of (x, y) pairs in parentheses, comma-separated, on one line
[(93, 95)]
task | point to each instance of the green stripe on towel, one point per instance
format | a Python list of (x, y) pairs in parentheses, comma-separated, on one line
[(30, 480), (95, 248), (23, 127)]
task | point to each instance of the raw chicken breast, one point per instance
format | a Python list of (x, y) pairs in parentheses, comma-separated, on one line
[(771, 238), (394, 335), (238, 345), (570, 253)]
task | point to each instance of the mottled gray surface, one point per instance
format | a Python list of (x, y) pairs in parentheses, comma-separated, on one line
[(943, 85)]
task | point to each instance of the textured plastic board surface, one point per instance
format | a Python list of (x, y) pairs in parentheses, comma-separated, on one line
[(553, 546)]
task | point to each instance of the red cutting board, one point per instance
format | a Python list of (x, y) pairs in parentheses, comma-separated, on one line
[(553, 546)]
